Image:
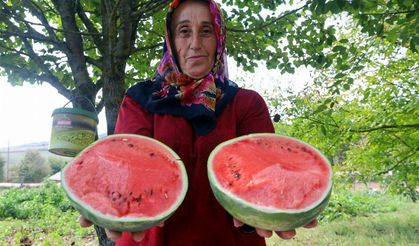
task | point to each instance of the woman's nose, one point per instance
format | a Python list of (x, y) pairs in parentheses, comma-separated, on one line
[(195, 41)]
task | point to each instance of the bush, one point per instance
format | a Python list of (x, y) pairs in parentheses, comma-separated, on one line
[(56, 164), (40, 216), (345, 203), (23, 203), (33, 167), (2, 164)]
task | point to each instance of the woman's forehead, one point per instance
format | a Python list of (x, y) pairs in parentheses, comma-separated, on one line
[(192, 11)]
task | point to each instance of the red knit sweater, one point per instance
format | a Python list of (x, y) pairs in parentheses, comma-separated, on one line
[(200, 220)]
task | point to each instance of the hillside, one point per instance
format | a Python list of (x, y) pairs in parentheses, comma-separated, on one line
[(25, 147), (15, 153)]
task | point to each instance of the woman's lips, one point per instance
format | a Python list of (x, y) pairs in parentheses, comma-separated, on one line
[(196, 58)]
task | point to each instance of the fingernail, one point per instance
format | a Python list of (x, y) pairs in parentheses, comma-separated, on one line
[(138, 237), (287, 234), (237, 223), (264, 233)]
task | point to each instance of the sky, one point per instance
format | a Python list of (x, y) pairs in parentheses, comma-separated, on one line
[(25, 111)]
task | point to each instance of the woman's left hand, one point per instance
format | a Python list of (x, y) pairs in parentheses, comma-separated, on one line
[(282, 234)]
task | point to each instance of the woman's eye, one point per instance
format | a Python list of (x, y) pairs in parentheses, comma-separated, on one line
[(183, 31), (207, 31)]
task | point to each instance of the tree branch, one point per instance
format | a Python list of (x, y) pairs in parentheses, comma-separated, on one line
[(149, 47), (395, 165), (100, 105), (260, 27), (149, 8), (90, 27), (31, 32), (96, 63), (25, 73), (99, 85), (74, 41), (393, 13), (18, 52), (385, 127), (402, 141), (126, 31), (37, 11)]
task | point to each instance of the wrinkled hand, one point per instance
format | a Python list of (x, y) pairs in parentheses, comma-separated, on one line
[(115, 235), (282, 234)]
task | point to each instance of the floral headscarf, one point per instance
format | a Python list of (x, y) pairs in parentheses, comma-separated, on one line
[(173, 92)]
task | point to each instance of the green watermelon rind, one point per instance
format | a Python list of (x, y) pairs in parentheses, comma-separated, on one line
[(126, 223), (261, 216)]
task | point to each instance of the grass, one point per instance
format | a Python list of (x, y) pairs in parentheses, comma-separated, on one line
[(54, 230), (400, 227), (391, 228), (43, 216)]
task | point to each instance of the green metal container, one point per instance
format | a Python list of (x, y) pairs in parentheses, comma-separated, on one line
[(73, 129)]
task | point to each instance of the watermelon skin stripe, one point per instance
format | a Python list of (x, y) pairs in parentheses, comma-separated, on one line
[(126, 223), (114, 223), (269, 220), (261, 216)]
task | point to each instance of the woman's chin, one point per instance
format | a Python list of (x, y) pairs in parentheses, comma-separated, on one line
[(196, 74)]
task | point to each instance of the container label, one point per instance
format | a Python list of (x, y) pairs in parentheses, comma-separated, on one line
[(64, 123)]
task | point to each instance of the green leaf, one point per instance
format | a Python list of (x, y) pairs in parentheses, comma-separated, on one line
[(339, 48), (340, 75), (333, 7), (346, 86), (392, 35), (323, 130), (320, 108), (344, 67), (414, 42), (407, 3)]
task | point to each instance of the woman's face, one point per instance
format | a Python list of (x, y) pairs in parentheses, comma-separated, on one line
[(194, 38)]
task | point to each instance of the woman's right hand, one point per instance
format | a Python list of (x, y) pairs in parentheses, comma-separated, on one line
[(114, 235)]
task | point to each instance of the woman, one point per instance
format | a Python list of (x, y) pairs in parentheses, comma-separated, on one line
[(191, 106)]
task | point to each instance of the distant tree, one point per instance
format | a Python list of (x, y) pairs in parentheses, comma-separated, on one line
[(13, 173), (56, 164), (2, 163), (370, 126), (33, 167)]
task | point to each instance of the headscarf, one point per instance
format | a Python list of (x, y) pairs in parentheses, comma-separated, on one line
[(173, 92)]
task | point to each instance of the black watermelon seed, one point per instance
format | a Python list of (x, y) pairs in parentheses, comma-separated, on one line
[(236, 175)]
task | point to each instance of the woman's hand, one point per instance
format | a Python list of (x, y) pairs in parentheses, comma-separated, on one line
[(115, 235), (282, 234)]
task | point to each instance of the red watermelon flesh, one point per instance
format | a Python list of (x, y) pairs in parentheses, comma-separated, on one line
[(273, 172), (126, 176)]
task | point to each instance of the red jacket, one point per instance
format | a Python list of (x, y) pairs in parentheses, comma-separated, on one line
[(200, 220)]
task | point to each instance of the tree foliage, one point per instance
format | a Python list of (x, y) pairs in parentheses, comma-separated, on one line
[(95, 49), (33, 167), (56, 164), (371, 126), (2, 171)]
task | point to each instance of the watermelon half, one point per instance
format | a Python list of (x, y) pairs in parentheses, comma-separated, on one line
[(270, 181), (126, 182)]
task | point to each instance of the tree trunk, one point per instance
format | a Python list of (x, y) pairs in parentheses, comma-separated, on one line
[(113, 92), (103, 239)]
